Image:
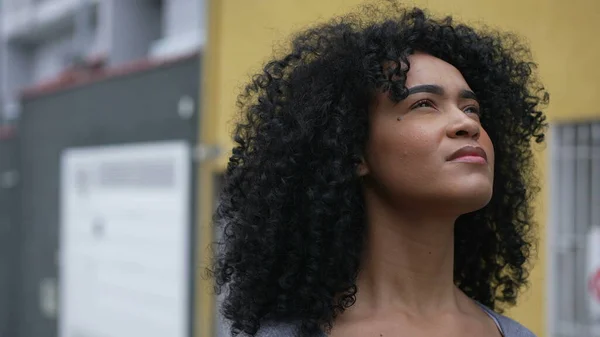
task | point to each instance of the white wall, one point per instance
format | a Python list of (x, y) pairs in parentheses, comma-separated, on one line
[(182, 16)]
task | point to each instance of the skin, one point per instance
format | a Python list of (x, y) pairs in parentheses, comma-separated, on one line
[(413, 196)]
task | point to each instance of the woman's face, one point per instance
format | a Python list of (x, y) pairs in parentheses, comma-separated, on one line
[(430, 149)]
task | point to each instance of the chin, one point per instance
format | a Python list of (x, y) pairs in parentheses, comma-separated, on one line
[(471, 195), (475, 200), (473, 204)]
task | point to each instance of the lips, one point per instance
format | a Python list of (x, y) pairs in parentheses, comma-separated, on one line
[(468, 152)]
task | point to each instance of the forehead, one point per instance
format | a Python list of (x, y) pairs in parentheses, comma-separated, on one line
[(427, 69)]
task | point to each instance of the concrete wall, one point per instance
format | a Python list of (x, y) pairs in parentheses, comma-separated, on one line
[(26, 63), (16, 72), (50, 57), (182, 16), (134, 25), (183, 28), (35, 43), (10, 5), (102, 40)]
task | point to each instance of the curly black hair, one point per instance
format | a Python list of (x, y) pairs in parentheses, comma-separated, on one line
[(291, 210)]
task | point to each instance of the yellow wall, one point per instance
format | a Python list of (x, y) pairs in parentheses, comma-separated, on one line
[(242, 35)]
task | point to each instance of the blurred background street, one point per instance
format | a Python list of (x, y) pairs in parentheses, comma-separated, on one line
[(115, 122)]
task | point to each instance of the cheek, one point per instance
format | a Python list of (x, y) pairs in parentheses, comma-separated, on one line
[(418, 143), (488, 146), (393, 148)]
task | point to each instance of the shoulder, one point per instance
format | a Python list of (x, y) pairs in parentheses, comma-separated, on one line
[(282, 329), (277, 329), (510, 327)]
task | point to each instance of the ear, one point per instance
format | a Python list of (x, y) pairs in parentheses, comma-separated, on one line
[(362, 168)]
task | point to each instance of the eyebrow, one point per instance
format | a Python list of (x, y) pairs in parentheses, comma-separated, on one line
[(438, 90)]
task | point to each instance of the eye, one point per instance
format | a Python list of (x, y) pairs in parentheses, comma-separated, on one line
[(425, 103), (472, 109)]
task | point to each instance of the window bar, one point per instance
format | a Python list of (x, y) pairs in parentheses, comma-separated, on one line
[(552, 232), (593, 249), (582, 224), (566, 267), (595, 178)]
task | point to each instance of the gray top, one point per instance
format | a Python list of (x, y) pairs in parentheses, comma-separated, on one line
[(507, 326)]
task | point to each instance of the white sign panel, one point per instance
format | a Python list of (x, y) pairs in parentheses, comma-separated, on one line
[(593, 272), (125, 230)]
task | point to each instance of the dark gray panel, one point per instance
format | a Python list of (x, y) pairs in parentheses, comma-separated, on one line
[(8, 236)]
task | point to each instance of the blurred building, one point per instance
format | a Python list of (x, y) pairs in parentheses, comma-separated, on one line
[(563, 298), (101, 246), (40, 39)]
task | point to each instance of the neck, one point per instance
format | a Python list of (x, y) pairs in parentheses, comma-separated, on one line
[(408, 262)]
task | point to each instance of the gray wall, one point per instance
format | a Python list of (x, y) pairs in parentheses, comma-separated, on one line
[(15, 4), (182, 16), (9, 236), (16, 69), (102, 40), (134, 25), (50, 56)]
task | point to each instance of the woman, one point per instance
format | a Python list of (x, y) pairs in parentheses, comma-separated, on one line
[(381, 182)]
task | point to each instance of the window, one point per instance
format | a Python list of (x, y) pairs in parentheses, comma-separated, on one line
[(574, 311)]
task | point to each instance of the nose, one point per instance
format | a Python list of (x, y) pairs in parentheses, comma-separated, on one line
[(463, 126)]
